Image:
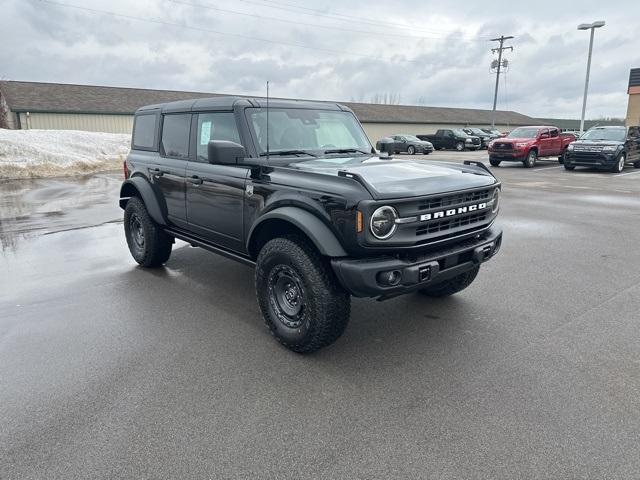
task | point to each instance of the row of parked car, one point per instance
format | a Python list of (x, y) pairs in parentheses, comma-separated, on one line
[(606, 148), (460, 139)]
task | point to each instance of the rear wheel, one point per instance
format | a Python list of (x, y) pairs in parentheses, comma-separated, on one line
[(301, 301), (411, 150), (454, 285), (494, 163), (531, 159), (569, 167), (459, 146), (619, 166), (149, 245), (636, 165), (561, 157)]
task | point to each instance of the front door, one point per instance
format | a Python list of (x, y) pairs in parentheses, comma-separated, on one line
[(543, 142), (215, 192)]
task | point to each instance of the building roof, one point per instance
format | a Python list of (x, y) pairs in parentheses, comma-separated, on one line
[(69, 98), (574, 124)]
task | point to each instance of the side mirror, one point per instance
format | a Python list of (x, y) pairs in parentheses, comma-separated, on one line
[(225, 152), (543, 136)]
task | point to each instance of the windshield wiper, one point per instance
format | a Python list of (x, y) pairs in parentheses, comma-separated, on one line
[(288, 152), (346, 150)]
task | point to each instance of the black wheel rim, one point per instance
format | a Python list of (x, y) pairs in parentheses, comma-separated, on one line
[(287, 295), (137, 231)]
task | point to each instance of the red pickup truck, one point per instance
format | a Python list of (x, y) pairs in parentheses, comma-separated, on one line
[(527, 144)]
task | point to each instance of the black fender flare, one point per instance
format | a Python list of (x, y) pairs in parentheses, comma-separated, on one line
[(315, 229), (145, 190)]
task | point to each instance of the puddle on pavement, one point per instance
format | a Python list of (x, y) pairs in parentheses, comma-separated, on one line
[(35, 206)]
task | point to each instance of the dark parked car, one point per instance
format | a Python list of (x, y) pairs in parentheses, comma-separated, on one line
[(485, 138), (606, 148), (297, 191), (405, 144), (454, 139)]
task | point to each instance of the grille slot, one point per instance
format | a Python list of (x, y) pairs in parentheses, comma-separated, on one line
[(448, 224), (454, 200)]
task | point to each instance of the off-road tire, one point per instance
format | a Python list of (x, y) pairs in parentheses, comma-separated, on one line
[(326, 306), (531, 159), (153, 249), (454, 285), (569, 167), (460, 146), (411, 150), (495, 163)]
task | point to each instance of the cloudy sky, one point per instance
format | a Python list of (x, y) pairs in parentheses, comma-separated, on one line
[(422, 52)]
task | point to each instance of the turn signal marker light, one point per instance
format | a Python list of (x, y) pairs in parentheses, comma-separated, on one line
[(359, 222)]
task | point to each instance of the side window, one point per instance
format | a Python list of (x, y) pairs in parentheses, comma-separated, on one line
[(175, 135), (544, 131), (634, 132), (215, 126), (553, 132), (144, 131)]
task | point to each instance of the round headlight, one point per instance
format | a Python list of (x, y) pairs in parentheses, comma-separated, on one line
[(383, 222), (496, 201)]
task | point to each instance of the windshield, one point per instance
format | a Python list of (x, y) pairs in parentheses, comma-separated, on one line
[(615, 134), (477, 131), (524, 132), (412, 138), (294, 129)]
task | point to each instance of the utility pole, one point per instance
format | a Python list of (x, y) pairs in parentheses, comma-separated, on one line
[(500, 49), (592, 27)]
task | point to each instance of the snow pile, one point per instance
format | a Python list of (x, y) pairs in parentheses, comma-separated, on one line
[(52, 153)]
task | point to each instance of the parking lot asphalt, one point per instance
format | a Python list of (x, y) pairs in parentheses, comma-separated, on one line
[(108, 370)]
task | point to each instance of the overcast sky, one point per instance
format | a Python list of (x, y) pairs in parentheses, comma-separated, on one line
[(429, 53)]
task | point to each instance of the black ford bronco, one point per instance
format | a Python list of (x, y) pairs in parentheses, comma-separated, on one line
[(295, 189)]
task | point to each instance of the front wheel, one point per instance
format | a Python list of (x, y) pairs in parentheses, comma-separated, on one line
[(300, 299), (494, 163), (411, 150), (531, 159), (454, 285), (619, 166), (149, 245), (459, 146)]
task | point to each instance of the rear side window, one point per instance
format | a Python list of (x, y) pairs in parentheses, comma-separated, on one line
[(144, 131), (175, 135), (215, 126)]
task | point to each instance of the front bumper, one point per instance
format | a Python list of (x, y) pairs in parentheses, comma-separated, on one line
[(591, 159), (361, 277), (511, 156)]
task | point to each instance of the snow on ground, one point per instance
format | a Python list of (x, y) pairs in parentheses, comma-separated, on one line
[(54, 153)]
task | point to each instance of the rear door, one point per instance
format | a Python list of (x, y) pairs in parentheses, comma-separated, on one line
[(215, 192), (543, 142), (555, 142), (168, 174)]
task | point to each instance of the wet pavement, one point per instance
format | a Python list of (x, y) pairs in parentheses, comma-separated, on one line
[(111, 371)]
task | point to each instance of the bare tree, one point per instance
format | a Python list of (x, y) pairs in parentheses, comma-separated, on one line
[(386, 98)]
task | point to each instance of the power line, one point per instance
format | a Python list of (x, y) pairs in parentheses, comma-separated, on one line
[(293, 22), (499, 50), (346, 18), (217, 32)]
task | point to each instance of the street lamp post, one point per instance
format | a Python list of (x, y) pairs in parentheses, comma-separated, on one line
[(592, 27)]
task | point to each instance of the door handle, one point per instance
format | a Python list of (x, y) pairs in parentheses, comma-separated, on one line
[(157, 172), (194, 180)]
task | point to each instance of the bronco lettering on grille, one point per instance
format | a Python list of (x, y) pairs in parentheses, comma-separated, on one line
[(452, 212)]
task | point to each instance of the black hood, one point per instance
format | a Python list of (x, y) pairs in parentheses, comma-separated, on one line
[(395, 178)]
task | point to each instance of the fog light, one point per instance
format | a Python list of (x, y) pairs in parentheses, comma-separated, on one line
[(390, 278)]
